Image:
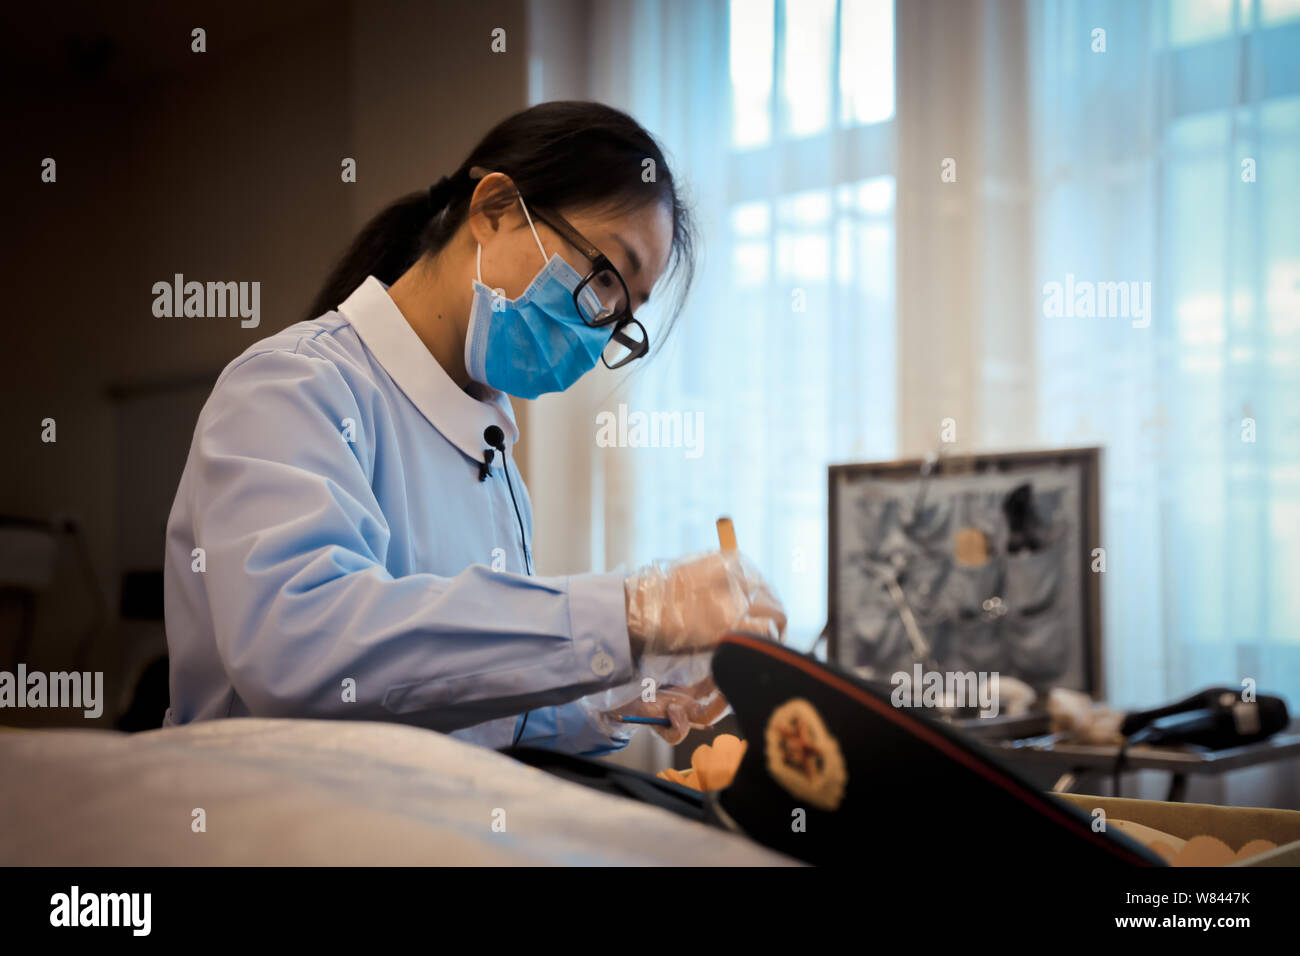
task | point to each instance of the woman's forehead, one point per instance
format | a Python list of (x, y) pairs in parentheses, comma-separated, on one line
[(638, 240)]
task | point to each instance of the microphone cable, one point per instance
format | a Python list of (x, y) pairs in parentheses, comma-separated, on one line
[(497, 439)]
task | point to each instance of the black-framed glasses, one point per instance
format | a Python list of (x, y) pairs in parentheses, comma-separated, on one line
[(602, 298)]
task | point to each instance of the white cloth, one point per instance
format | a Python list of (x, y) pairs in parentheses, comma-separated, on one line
[(320, 793)]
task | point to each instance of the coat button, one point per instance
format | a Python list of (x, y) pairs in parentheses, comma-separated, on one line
[(602, 665)]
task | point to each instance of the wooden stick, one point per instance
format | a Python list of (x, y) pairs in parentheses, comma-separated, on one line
[(726, 534)]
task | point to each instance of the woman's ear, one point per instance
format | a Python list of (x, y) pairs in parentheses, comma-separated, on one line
[(490, 206)]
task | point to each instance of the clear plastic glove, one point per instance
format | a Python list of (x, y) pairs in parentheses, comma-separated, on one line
[(699, 705), (685, 606)]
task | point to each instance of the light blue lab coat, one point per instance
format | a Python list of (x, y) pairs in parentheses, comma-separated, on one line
[(331, 551)]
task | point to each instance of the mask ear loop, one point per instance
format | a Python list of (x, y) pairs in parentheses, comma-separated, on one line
[(479, 255), (533, 228)]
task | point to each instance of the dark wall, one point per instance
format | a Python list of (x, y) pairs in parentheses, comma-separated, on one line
[(222, 166)]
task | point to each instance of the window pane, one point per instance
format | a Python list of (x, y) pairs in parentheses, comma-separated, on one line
[(751, 223), (803, 244), (1195, 21), (752, 26), (866, 61), (809, 35), (1273, 12), (808, 210), (750, 264), (751, 220)]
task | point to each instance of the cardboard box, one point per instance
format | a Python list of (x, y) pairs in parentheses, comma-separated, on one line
[(1235, 826)]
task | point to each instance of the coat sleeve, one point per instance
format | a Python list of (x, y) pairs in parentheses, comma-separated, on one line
[(309, 622)]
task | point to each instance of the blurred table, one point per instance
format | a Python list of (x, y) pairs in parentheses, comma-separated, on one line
[(1071, 759)]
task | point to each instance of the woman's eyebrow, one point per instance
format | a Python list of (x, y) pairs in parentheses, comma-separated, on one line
[(632, 257)]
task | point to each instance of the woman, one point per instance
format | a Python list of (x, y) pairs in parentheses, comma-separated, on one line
[(348, 539)]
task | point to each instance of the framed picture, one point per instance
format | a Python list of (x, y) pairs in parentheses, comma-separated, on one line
[(978, 563)]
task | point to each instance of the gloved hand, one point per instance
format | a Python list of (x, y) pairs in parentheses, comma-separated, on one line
[(685, 606), (700, 705)]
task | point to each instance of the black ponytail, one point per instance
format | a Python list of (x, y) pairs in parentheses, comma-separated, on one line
[(561, 155)]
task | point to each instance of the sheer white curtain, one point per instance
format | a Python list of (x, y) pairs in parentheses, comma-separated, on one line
[(852, 296), (1172, 158), (780, 117)]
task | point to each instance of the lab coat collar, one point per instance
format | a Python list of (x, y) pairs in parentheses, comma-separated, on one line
[(457, 415)]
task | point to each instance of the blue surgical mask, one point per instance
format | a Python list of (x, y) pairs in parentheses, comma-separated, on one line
[(538, 342)]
